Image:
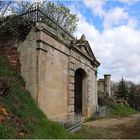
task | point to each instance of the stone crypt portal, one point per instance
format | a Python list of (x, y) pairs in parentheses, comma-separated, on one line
[(60, 75), (80, 79)]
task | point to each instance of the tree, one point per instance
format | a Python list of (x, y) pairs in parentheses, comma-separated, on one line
[(60, 14), (134, 97), (21, 7), (122, 90), (130, 92)]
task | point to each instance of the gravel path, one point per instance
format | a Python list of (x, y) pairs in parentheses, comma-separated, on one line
[(104, 123)]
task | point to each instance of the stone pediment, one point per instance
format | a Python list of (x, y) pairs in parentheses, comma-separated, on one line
[(83, 46)]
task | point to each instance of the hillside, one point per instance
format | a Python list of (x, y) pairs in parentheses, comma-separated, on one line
[(19, 115)]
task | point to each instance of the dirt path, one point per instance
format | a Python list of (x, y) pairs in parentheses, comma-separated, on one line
[(112, 128), (104, 123)]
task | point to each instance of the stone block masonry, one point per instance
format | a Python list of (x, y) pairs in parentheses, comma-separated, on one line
[(49, 65)]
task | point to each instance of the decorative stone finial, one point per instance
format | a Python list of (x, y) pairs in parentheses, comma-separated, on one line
[(83, 38), (78, 41)]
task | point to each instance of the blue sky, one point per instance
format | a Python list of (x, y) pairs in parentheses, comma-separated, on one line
[(130, 6), (112, 28), (113, 31)]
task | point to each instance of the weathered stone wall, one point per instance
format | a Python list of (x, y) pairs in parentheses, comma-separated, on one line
[(104, 85), (53, 77), (101, 85), (92, 93), (28, 60), (76, 61), (48, 67)]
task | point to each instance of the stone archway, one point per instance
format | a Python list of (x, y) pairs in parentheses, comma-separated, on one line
[(80, 92)]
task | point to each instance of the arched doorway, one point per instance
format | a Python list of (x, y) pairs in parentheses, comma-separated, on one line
[(80, 77)]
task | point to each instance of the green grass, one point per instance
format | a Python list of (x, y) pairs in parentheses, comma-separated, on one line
[(31, 120), (6, 131), (114, 111), (120, 111), (19, 103)]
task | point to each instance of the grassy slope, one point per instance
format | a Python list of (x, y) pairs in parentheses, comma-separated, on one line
[(30, 120), (27, 118)]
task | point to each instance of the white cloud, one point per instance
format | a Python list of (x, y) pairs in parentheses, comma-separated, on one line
[(96, 6), (115, 16), (132, 22), (129, 2), (111, 17), (123, 59), (38, 1), (117, 48)]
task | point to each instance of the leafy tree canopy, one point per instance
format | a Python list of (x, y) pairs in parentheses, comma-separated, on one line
[(128, 91), (60, 14), (122, 90)]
